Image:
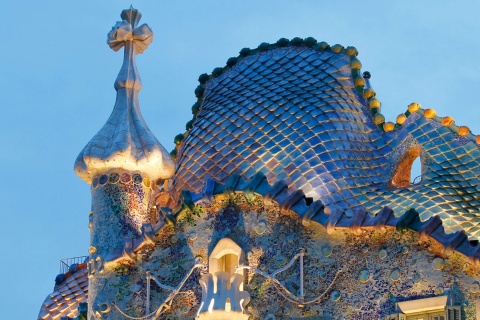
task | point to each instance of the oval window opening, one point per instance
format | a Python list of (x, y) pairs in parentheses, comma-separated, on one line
[(409, 169), (416, 171)]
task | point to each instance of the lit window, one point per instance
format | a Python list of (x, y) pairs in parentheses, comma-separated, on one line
[(436, 308)]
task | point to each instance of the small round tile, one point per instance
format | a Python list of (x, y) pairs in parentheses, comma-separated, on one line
[(439, 291), (103, 179), (281, 259), (146, 182), (364, 275), (335, 296), (114, 177), (261, 227), (475, 287), (382, 254), (326, 250), (417, 278), (438, 264), (395, 275), (125, 178), (137, 178)]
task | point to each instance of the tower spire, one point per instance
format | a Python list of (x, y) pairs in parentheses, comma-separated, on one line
[(121, 162), (125, 141)]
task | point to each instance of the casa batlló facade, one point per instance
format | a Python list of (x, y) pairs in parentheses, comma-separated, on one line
[(288, 197)]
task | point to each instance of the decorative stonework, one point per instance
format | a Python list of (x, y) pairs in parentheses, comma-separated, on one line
[(222, 297)]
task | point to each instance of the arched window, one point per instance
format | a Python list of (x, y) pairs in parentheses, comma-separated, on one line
[(408, 169), (416, 171)]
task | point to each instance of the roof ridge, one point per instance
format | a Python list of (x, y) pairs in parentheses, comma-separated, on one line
[(310, 42), (361, 83), (430, 114), (379, 119)]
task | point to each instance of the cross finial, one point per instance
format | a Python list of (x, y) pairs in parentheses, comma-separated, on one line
[(135, 40), (126, 30)]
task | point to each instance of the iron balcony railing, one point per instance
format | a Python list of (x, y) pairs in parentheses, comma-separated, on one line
[(66, 263)]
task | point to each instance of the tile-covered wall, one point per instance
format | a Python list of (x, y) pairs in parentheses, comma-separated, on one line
[(120, 206), (376, 269)]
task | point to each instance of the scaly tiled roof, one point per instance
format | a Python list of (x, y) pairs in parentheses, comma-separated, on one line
[(64, 301), (296, 111), (292, 113), (450, 186)]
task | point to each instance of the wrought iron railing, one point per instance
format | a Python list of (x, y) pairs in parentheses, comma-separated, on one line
[(67, 262)]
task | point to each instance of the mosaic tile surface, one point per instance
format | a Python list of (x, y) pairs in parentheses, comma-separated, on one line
[(386, 267), (293, 113)]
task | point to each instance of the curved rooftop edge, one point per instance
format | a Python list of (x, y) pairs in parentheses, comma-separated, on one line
[(310, 42), (430, 114), (309, 212), (362, 85)]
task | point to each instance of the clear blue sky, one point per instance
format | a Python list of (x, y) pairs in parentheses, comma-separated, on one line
[(57, 77)]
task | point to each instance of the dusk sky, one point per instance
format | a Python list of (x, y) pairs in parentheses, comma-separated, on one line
[(57, 75)]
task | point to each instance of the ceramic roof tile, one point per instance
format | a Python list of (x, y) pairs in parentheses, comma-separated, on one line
[(65, 301), (294, 114)]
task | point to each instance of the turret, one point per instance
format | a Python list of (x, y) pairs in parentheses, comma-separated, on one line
[(121, 162)]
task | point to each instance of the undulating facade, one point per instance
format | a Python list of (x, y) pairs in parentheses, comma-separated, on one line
[(288, 197)]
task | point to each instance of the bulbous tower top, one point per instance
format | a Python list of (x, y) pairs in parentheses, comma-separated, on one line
[(125, 141)]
